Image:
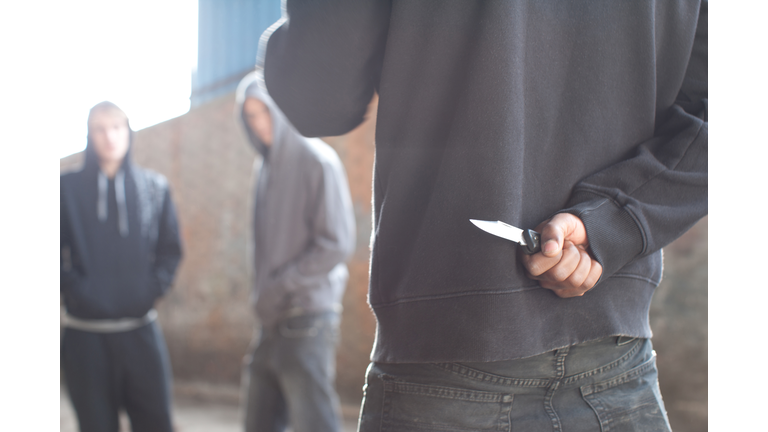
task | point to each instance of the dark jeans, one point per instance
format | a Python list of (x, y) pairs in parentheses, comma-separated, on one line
[(289, 376), (109, 371), (605, 385)]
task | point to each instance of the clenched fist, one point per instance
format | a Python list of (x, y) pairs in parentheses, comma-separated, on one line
[(563, 265)]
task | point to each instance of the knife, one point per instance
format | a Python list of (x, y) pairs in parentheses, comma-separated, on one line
[(530, 240)]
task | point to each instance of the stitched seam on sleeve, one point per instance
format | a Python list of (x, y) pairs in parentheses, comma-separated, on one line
[(632, 214)]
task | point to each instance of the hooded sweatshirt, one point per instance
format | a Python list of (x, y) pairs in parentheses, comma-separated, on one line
[(119, 240), (511, 111), (303, 220)]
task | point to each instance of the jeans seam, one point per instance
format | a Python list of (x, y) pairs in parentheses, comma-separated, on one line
[(607, 367), (597, 406), (443, 392), (621, 379), (392, 385), (560, 356), (604, 414), (384, 402), (476, 375)]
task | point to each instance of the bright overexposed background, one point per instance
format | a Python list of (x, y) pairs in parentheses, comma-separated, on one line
[(138, 54), (57, 59)]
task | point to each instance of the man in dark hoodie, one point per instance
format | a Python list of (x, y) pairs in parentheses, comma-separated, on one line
[(584, 119), (303, 231), (120, 249)]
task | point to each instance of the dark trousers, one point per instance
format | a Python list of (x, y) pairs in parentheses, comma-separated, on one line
[(288, 377), (605, 385), (105, 372)]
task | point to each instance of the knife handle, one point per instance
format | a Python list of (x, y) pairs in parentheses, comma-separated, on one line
[(532, 242)]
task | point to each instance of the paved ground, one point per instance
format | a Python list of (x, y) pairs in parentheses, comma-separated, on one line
[(193, 414)]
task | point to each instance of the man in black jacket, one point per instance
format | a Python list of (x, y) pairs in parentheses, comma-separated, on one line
[(586, 120), (120, 248)]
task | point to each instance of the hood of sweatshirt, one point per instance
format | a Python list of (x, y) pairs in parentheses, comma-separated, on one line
[(92, 159), (283, 133), (92, 171), (303, 219), (122, 238)]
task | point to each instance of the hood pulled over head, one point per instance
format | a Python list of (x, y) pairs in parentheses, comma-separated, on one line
[(252, 86), (91, 157)]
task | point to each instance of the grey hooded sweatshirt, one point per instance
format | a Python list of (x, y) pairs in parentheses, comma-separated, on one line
[(303, 221)]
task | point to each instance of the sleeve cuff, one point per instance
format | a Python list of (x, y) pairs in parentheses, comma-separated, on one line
[(614, 237)]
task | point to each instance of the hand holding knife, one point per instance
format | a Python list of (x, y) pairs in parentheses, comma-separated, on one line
[(530, 240), (566, 268)]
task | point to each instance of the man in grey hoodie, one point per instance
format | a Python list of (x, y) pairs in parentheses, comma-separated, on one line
[(303, 231)]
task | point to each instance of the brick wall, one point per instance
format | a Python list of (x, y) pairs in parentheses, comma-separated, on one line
[(207, 319)]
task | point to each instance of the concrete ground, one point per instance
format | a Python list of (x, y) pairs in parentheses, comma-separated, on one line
[(194, 411)]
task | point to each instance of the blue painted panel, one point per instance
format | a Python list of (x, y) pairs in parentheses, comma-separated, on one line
[(228, 40)]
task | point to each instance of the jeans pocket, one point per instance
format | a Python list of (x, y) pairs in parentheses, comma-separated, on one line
[(629, 402), (418, 407)]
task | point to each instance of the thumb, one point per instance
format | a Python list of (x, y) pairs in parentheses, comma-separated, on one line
[(552, 237), (562, 226)]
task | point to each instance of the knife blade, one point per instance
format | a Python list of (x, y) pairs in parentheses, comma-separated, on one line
[(530, 240)]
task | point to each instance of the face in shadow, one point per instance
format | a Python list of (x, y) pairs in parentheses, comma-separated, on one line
[(258, 119)]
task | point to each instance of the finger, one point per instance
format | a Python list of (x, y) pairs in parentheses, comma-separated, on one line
[(568, 263), (594, 275), (595, 272), (562, 291), (561, 227), (588, 268), (552, 237), (570, 292), (579, 275), (538, 264), (573, 285), (572, 228)]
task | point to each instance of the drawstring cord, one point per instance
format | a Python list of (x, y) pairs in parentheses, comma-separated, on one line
[(122, 209), (101, 204)]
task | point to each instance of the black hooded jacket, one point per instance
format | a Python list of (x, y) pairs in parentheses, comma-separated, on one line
[(512, 111), (120, 244)]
